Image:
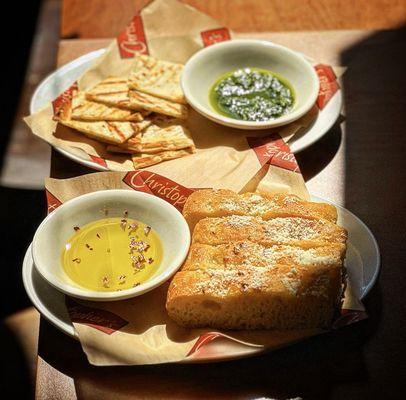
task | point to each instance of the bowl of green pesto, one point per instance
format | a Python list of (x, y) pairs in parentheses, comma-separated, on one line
[(250, 84)]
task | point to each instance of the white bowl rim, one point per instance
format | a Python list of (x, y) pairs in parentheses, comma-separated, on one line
[(283, 120), (150, 284)]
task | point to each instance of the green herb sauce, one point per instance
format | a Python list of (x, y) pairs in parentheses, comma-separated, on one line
[(252, 94)]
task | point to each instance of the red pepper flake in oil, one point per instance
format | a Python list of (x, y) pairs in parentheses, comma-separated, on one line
[(76, 228), (137, 264), (123, 224), (132, 228), (77, 260), (98, 235), (125, 213), (147, 230), (89, 247), (150, 260)]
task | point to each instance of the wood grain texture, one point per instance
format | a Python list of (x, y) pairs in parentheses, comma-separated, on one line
[(106, 18)]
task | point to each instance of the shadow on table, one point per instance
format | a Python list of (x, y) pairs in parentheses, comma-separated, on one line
[(375, 87), (15, 381), (21, 212), (317, 156), (309, 369)]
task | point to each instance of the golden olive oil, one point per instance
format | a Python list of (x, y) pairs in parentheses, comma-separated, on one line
[(112, 254)]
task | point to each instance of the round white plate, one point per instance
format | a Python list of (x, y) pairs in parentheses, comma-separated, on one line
[(362, 262), (52, 86)]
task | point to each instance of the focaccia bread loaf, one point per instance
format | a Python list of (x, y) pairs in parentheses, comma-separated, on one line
[(222, 202), (251, 270)]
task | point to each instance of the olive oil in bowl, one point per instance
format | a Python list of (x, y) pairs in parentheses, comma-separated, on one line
[(112, 254)]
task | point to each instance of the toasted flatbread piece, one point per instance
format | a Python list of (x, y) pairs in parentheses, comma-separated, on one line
[(87, 110), (139, 100), (103, 131), (157, 138), (110, 91), (158, 78), (141, 160)]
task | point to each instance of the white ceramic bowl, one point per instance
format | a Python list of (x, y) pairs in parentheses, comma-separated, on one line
[(207, 65), (53, 233)]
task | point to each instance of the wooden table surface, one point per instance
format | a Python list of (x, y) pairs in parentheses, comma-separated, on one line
[(104, 18), (357, 164)]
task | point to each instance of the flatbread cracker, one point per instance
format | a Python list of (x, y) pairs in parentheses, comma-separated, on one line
[(111, 91), (141, 160), (104, 131), (139, 100), (158, 78), (87, 110), (156, 138)]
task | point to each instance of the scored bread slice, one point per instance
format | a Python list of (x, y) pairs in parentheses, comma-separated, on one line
[(242, 254), (295, 231), (222, 202), (249, 297), (87, 110), (156, 77), (157, 138), (141, 160), (140, 100)]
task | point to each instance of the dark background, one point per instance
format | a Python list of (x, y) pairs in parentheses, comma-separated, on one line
[(20, 210)]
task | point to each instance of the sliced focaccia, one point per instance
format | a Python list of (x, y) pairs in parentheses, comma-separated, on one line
[(219, 203), (259, 263), (245, 253), (294, 231), (248, 297)]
